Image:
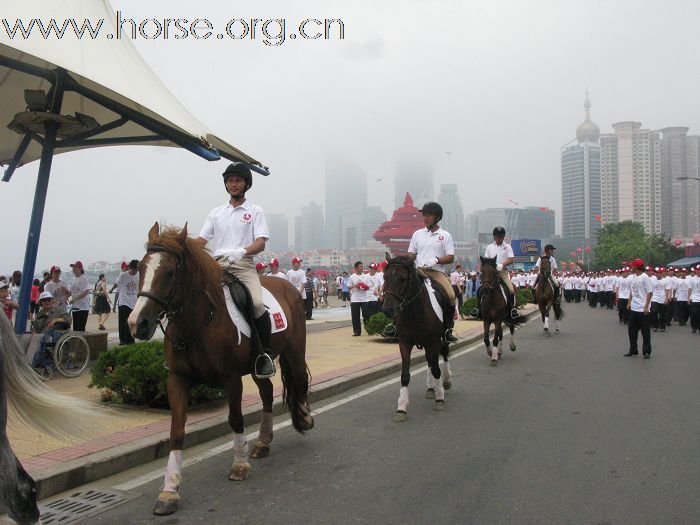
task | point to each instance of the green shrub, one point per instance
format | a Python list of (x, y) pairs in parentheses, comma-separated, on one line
[(136, 375), (375, 324), (524, 296), (467, 306)]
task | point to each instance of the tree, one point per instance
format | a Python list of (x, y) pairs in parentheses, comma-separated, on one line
[(625, 241)]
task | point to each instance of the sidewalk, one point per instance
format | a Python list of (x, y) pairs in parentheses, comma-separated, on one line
[(132, 436)]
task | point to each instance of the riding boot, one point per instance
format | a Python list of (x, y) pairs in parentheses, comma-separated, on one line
[(476, 312), (511, 307), (449, 324), (264, 366)]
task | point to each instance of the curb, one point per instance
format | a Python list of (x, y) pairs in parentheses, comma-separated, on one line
[(98, 465)]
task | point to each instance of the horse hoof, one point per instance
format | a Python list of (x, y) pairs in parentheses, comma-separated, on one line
[(440, 405), (261, 450), (307, 423), (494, 362), (399, 416), (512, 348), (500, 354), (488, 351), (167, 503), (447, 385), (430, 393), (557, 330), (239, 471)]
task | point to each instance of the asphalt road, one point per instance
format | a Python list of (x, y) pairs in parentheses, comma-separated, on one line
[(564, 430)]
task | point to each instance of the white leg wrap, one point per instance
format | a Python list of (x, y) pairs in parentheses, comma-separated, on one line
[(429, 379), (546, 322), (403, 399), (173, 472), (446, 371), (439, 391), (240, 448)]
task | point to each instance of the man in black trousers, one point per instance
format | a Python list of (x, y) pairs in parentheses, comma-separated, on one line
[(638, 308)]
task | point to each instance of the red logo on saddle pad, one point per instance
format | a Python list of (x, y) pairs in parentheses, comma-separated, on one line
[(277, 318)]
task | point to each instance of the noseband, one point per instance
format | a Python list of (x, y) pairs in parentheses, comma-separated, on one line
[(402, 296), (164, 304)]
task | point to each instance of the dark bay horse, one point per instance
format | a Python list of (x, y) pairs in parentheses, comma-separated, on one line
[(494, 309), (180, 281), (406, 300), (35, 404), (545, 296)]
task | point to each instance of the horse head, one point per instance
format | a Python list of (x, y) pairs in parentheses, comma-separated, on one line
[(401, 283), (545, 264), (489, 273)]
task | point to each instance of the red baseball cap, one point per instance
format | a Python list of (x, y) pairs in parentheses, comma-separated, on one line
[(77, 264), (384, 264), (637, 263), (260, 266), (55, 269), (374, 265), (296, 260), (124, 266), (274, 262)]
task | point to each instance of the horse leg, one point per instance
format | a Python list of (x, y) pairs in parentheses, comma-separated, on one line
[(486, 338), (240, 468), (499, 338), (434, 363), (430, 385), (169, 499), (405, 349), (545, 319), (495, 355), (446, 374), (513, 344), (262, 444)]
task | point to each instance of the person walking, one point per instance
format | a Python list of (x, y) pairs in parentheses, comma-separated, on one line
[(681, 297), (622, 292), (238, 231), (638, 307), (297, 277), (659, 301), (79, 297), (345, 288), (358, 286), (694, 300), (127, 287), (457, 282), (310, 294), (102, 302)]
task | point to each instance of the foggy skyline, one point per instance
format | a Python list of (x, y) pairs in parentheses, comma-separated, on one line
[(498, 85)]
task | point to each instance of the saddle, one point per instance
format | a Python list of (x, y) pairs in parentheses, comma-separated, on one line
[(243, 301), (440, 295)]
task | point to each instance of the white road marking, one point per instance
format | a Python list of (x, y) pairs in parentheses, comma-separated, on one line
[(156, 474)]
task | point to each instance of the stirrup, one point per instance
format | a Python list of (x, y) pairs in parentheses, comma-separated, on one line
[(474, 313), (264, 367), (514, 313), (449, 336)]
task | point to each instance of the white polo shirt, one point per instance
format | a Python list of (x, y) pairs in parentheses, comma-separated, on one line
[(501, 252), (552, 263), (427, 245), (640, 286), (694, 286), (229, 228), (298, 279), (623, 287), (358, 295)]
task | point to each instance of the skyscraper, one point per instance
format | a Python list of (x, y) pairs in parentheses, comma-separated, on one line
[(279, 232), (453, 214), (346, 188), (414, 175), (358, 225), (580, 180), (308, 228), (631, 175), (680, 215)]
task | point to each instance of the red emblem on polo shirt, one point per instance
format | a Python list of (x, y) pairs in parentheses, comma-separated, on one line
[(277, 318), (441, 238), (246, 218)]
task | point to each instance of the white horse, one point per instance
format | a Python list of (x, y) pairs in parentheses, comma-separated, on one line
[(32, 402)]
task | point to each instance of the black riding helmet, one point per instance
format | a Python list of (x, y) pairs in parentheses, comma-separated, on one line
[(499, 231), (239, 169), (434, 208)]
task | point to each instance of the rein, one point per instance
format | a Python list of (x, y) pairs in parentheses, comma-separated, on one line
[(402, 297), (167, 312)]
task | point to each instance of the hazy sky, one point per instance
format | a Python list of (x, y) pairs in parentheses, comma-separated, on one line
[(500, 84)]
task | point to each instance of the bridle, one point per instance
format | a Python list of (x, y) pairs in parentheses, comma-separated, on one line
[(402, 296), (167, 312)]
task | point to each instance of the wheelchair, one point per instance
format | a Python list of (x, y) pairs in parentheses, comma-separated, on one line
[(62, 350)]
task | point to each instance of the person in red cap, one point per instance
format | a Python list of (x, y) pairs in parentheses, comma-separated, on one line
[(260, 268), (659, 300), (124, 268), (57, 288), (236, 232), (358, 286), (79, 297), (638, 308), (681, 293), (375, 283), (275, 270), (694, 300), (297, 277)]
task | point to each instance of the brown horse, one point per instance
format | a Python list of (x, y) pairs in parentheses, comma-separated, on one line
[(494, 309), (182, 282), (406, 300), (545, 296)]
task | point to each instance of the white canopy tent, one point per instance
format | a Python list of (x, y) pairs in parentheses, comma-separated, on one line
[(72, 93)]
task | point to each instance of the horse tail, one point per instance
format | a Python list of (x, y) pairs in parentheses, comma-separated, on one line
[(34, 403), (558, 311), (295, 386)]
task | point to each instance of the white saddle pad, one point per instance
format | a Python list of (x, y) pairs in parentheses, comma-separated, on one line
[(279, 320), (433, 300)]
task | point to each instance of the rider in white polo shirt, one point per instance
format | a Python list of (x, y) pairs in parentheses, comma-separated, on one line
[(238, 231), (431, 248), (503, 253), (549, 251)]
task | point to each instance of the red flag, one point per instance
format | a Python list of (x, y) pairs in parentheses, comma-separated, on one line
[(544, 209), (599, 218)]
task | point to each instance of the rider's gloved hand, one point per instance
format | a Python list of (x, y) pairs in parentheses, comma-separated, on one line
[(432, 262), (499, 267), (236, 255)]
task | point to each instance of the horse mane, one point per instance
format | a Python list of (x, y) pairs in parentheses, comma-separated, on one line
[(202, 272), (402, 260), (488, 262)]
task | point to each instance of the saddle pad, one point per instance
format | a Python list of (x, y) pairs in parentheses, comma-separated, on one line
[(279, 320), (433, 300)]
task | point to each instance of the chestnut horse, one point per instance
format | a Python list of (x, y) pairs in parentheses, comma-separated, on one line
[(406, 300), (180, 281), (544, 296), (494, 309)]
